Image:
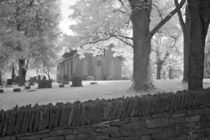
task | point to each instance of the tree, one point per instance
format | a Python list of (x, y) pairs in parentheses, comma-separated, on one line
[(199, 13), (45, 61), (185, 29), (33, 23), (166, 53), (95, 24), (160, 54), (142, 39)]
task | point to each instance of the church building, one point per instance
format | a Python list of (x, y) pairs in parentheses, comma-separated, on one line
[(101, 67)]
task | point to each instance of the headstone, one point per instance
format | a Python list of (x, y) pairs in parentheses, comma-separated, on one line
[(16, 90), (1, 91), (38, 78), (61, 85), (32, 80), (27, 87), (44, 83), (9, 82), (76, 81)]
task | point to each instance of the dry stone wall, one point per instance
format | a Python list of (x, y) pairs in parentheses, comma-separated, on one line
[(179, 116)]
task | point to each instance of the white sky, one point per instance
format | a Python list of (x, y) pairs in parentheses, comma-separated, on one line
[(65, 11)]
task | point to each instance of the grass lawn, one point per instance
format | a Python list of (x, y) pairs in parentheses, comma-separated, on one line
[(104, 89)]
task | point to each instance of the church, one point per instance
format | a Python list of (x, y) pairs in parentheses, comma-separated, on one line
[(105, 66)]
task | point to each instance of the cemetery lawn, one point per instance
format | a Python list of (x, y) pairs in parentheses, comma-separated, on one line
[(103, 89)]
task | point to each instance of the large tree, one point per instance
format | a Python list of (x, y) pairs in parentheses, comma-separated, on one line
[(184, 20), (199, 13), (101, 20), (142, 36), (31, 25), (164, 48)]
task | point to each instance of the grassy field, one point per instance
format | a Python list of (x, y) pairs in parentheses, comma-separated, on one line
[(103, 89)]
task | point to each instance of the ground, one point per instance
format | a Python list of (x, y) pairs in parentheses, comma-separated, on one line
[(103, 89)]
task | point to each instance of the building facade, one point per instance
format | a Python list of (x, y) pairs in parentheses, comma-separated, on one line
[(101, 67)]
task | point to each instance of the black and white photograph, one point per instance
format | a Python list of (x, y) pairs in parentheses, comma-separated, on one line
[(104, 70)]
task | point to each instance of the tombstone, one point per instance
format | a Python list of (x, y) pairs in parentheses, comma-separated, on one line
[(9, 82), (44, 78), (1, 91), (16, 90), (44, 83), (38, 78), (32, 80), (61, 85), (76, 81), (27, 87)]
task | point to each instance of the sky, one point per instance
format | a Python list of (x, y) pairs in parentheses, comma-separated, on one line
[(65, 11)]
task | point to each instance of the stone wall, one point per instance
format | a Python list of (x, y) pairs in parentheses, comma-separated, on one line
[(170, 116)]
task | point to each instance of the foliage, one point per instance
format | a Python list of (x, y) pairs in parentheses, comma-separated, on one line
[(30, 31), (109, 21)]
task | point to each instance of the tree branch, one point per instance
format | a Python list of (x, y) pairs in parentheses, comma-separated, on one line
[(179, 13), (117, 37), (119, 10), (171, 36), (121, 37), (168, 17), (109, 36), (121, 1), (125, 37), (96, 41), (158, 10)]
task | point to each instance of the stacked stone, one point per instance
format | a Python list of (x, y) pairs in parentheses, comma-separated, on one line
[(38, 118), (180, 125)]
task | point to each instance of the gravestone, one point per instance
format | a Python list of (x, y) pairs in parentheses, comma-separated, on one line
[(44, 83), (76, 81), (9, 82), (61, 85), (16, 90), (27, 87), (32, 80), (1, 91)]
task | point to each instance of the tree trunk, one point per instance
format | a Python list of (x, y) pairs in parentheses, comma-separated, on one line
[(13, 74), (140, 18), (159, 68), (22, 72), (186, 54), (0, 77), (198, 30), (170, 72), (141, 47), (186, 39), (185, 29)]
